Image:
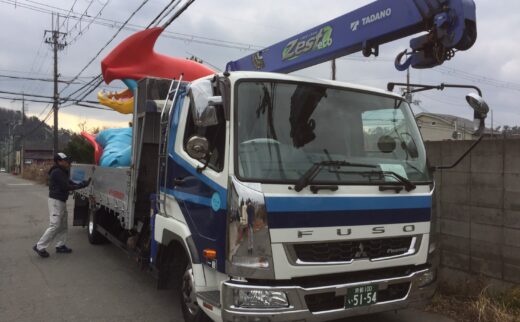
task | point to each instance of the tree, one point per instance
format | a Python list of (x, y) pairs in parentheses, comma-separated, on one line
[(508, 131), (80, 150)]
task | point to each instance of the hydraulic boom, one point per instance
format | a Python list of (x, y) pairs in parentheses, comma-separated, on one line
[(450, 26)]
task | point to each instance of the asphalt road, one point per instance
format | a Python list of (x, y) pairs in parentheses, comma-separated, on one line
[(94, 283)]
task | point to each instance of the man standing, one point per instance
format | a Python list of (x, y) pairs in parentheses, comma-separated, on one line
[(59, 187)]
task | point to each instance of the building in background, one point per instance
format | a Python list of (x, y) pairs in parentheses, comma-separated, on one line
[(442, 127), (37, 155)]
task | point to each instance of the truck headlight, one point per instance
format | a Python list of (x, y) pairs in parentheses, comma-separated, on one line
[(249, 252), (260, 299)]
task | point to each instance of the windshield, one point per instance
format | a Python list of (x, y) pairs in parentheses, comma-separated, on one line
[(283, 129)]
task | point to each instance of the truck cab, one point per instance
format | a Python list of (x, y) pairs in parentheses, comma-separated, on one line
[(294, 199)]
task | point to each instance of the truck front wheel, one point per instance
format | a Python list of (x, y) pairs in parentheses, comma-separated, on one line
[(190, 308), (94, 237)]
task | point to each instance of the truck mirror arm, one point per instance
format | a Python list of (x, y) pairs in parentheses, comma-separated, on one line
[(479, 106), (421, 87), (444, 167)]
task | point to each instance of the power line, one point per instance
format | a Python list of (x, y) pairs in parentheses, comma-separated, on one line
[(108, 42), (27, 99), (62, 100), (187, 38), (92, 106), (81, 17), (82, 31), (25, 94), (29, 72), (68, 15), (90, 91), (33, 65), (450, 103), (157, 19), (177, 14), (93, 80), (36, 79), (478, 78)]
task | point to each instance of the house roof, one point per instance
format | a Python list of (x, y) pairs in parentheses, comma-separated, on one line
[(38, 154), (462, 123)]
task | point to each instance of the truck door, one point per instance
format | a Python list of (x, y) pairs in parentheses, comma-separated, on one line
[(199, 187)]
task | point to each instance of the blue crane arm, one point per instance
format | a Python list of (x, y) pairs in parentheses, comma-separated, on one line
[(450, 26)]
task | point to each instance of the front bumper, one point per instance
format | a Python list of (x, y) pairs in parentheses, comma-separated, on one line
[(324, 303)]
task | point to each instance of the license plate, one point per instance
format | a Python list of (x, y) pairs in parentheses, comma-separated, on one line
[(361, 296)]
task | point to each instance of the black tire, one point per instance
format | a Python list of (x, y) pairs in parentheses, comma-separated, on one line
[(190, 309), (94, 237)]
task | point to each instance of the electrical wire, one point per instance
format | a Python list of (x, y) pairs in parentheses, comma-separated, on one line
[(82, 31), (81, 17), (36, 79), (107, 43), (24, 99), (88, 84), (87, 91), (187, 38), (27, 97), (177, 14), (159, 17), (90, 91), (68, 15), (25, 94)]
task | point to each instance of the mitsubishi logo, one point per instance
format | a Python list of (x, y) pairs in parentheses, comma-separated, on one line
[(354, 25), (361, 252)]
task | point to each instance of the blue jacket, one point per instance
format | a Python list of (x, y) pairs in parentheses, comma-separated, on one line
[(60, 184)]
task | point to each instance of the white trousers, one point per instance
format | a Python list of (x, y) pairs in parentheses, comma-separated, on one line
[(57, 225)]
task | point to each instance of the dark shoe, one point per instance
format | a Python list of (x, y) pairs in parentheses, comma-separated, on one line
[(42, 253), (63, 249)]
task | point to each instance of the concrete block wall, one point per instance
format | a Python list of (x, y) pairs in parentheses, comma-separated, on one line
[(477, 210)]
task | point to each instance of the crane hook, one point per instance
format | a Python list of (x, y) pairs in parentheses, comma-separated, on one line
[(404, 66)]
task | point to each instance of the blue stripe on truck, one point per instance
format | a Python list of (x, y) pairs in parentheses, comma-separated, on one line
[(347, 218), (301, 212), (299, 204)]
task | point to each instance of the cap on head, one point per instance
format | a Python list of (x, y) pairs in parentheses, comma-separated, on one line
[(60, 156)]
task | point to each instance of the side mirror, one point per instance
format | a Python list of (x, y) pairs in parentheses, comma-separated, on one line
[(480, 109), (204, 117), (203, 104), (197, 147)]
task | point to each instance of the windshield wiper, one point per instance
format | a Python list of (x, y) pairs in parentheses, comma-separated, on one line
[(408, 185), (307, 177)]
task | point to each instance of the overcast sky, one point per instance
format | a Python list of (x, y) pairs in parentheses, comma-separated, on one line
[(231, 27)]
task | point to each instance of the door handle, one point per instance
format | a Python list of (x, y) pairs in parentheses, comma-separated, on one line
[(178, 181)]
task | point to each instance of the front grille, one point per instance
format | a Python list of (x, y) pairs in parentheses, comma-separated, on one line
[(329, 301), (344, 251)]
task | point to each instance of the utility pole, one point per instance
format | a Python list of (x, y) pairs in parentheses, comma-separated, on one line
[(22, 147), (57, 41), (409, 96), (9, 148)]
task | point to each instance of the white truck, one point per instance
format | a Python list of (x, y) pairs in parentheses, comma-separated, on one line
[(269, 197), (281, 198)]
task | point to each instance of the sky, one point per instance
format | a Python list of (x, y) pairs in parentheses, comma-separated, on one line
[(224, 30)]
